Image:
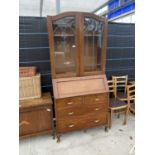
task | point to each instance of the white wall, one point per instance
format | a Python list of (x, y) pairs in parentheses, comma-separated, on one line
[(126, 19)]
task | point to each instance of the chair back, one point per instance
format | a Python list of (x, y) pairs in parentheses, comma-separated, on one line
[(131, 82), (131, 93), (111, 87), (120, 82)]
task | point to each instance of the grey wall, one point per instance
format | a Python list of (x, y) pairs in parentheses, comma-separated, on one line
[(34, 48), (121, 50)]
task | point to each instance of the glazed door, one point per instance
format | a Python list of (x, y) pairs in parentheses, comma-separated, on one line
[(77, 44), (63, 46), (94, 47)]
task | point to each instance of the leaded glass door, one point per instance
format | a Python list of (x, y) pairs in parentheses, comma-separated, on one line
[(65, 46), (93, 46)]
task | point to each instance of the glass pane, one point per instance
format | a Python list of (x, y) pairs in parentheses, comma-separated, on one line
[(64, 45), (92, 44)]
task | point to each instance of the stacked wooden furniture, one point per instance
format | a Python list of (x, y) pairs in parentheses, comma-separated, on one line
[(78, 54), (35, 116)]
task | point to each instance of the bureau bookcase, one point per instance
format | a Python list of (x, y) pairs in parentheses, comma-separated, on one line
[(77, 43)]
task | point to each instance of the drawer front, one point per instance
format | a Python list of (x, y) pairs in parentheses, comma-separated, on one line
[(31, 122), (94, 109), (97, 119), (101, 99), (85, 109), (69, 112), (69, 102), (81, 122)]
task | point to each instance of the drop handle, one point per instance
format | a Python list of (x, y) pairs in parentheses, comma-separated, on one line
[(70, 126), (96, 121), (97, 99), (73, 46), (70, 103), (70, 113), (48, 109), (67, 63), (96, 109)]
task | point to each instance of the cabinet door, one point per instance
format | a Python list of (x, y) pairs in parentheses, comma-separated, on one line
[(35, 121), (93, 45), (65, 46)]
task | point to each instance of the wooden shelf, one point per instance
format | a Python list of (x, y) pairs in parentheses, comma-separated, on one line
[(92, 35), (71, 35), (64, 35)]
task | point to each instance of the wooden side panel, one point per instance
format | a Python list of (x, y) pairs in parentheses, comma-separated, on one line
[(32, 122)]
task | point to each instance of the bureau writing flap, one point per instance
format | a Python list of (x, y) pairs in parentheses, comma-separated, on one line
[(76, 86)]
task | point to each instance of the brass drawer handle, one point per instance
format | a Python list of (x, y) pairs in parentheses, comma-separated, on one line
[(70, 126), (96, 109), (70, 103), (70, 113), (73, 46), (97, 99), (96, 121), (67, 63), (48, 109), (24, 123)]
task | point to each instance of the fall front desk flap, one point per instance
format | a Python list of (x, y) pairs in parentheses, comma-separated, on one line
[(76, 86)]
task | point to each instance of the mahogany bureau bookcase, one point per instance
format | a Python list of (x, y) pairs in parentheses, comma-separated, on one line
[(35, 116), (77, 43)]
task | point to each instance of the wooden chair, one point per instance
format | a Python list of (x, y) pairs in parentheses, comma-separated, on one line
[(120, 82), (116, 105), (131, 82), (131, 97)]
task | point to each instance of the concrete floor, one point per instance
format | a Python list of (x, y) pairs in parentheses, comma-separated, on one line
[(95, 141)]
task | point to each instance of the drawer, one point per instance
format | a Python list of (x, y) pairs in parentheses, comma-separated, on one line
[(81, 122), (94, 99), (72, 112), (97, 119), (34, 121), (69, 112), (94, 109), (69, 102)]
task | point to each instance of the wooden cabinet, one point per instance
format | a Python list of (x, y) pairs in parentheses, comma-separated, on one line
[(78, 54), (80, 103), (36, 116), (77, 44)]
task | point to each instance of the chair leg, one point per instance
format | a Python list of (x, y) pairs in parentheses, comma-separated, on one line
[(125, 117), (118, 115)]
